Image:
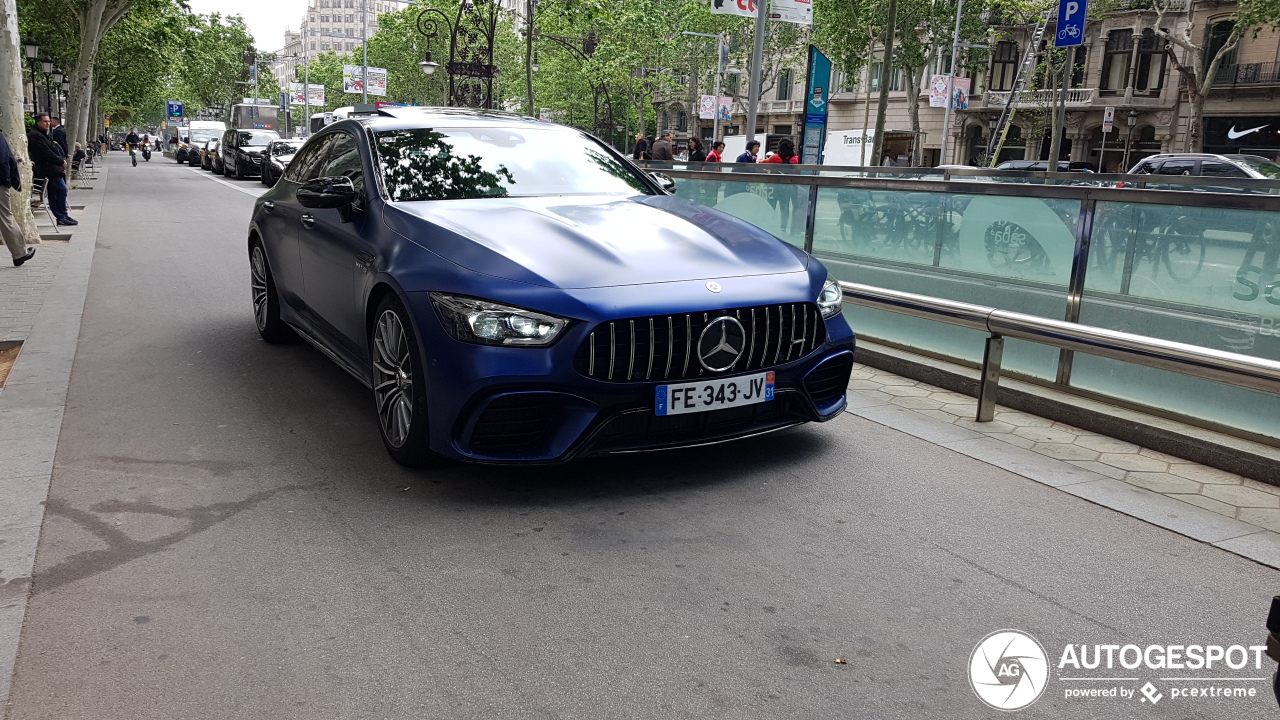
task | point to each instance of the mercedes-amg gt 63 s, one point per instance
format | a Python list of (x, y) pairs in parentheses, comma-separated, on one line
[(515, 291)]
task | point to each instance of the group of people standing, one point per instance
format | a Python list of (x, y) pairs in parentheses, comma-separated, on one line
[(50, 160), (663, 150)]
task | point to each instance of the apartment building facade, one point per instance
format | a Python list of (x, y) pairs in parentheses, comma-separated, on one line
[(331, 25), (1122, 64)]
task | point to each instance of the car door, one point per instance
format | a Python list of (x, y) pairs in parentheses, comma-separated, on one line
[(335, 251), (281, 222)]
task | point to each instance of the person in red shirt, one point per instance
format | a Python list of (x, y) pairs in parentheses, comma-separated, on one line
[(714, 155), (786, 153), (784, 195)]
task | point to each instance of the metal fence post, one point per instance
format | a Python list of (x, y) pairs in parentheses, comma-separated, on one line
[(1075, 285), (809, 218), (989, 386)]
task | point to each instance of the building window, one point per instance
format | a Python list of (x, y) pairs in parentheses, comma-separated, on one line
[(682, 122), (1151, 58), (313, 46), (731, 85), (666, 120), (895, 77), (1004, 66), (1115, 60), (784, 85), (1079, 65), (781, 129), (324, 46), (1217, 37), (731, 130)]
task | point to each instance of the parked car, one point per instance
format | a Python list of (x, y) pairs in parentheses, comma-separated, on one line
[(242, 151), (209, 158), (515, 291), (277, 158), (1209, 165), (1043, 166), (189, 152)]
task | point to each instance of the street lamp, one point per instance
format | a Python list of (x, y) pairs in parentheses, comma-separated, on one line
[(57, 84), (31, 49), (46, 67), (66, 94), (429, 28), (1131, 120)]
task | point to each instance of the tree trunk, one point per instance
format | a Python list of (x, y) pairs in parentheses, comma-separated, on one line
[(11, 118), (913, 111)]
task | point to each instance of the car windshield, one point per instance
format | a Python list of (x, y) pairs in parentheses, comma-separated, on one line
[(256, 139), (460, 163), (199, 136), (1264, 167), (284, 147)]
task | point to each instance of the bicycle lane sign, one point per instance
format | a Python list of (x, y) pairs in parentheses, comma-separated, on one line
[(1071, 14)]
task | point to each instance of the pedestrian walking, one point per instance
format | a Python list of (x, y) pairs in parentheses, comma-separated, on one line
[(11, 180), (50, 162), (749, 155), (695, 151), (662, 151), (642, 148), (717, 149)]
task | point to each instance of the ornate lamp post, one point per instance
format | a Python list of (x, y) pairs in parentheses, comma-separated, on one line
[(57, 85), (66, 96), (471, 35), (31, 49), (46, 67), (1131, 120)]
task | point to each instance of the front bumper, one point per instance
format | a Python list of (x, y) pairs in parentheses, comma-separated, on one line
[(530, 405)]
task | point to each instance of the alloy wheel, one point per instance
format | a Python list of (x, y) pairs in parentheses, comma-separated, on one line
[(392, 378), (258, 283)]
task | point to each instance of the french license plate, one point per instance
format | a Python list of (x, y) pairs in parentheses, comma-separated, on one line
[(714, 394)]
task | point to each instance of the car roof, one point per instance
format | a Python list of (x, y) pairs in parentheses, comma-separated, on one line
[(401, 118)]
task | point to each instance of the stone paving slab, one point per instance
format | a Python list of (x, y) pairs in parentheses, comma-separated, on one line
[(1211, 505), (23, 289)]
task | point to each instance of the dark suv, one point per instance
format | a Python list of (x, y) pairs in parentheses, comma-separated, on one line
[(242, 151)]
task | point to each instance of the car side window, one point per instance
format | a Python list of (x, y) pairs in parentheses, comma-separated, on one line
[(343, 160), (1145, 168), (306, 164), (1177, 167), (1210, 168)]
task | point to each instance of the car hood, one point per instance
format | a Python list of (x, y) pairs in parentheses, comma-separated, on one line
[(594, 241)]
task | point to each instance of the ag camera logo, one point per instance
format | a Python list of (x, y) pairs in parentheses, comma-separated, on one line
[(1008, 670)]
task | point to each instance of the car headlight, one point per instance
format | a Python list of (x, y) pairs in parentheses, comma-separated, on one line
[(488, 323), (830, 298)]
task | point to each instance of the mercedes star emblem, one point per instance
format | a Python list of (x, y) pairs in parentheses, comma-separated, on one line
[(713, 286), (721, 343)]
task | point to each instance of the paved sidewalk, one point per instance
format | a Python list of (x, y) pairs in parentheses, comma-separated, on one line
[(1255, 505), (23, 289), (41, 304)]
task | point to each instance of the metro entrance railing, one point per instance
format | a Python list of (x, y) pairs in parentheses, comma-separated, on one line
[(1198, 269)]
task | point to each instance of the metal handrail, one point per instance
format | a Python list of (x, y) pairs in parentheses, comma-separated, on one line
[(1192, 360)]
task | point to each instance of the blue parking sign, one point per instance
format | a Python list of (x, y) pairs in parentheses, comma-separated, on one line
[(173, 108), (1071, 15)]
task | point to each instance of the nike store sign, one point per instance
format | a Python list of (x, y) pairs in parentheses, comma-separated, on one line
[(1259, 134)]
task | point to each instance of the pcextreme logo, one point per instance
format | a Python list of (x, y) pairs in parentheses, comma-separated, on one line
[(1009, 670)]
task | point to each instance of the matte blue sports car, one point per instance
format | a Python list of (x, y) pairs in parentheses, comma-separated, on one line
[(516, 291)]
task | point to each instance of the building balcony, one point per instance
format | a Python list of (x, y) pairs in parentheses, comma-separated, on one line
[(1248, 74), (1076, 98)]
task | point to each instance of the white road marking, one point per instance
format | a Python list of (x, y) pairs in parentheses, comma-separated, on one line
[(247, 191)]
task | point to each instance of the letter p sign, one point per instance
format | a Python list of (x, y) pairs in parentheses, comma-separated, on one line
[(1071, 15)]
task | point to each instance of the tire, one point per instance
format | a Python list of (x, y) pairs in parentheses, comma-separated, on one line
[(265, 177), (239, 172), (266, 301), (399, 390)]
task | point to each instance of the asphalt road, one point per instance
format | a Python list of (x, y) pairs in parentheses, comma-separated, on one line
[(226, 538)]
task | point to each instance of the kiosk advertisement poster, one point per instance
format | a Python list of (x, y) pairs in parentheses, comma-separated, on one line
[(353, 80), (315, 91), (816, 94)]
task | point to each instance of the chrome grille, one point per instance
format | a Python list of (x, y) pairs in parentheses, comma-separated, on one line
[(663, 347)]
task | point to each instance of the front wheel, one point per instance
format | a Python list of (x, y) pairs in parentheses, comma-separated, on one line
[(134, 158), (399, 387), (266, 300)]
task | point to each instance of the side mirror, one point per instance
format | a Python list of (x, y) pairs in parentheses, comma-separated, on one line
[(327, 192), (665, 182)]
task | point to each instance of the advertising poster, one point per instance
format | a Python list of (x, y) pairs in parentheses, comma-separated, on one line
[(799, 12), (315, 91), (726, 108), (745, 8), (353, 80), (938, 92), (707, 107), (815, 110)]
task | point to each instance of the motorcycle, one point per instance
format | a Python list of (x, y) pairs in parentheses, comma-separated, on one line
[(146, 152)]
